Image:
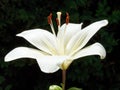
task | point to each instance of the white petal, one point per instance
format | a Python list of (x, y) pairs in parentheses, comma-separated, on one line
[(81, 38), (70, 29), (66, 32), (23, 52), (47, 64), (50, 64), (94, 49), (42, 39)]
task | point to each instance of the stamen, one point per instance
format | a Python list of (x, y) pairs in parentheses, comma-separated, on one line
[(57, 21), (51, 23), (50, 15), (50, 18), (67, 18)]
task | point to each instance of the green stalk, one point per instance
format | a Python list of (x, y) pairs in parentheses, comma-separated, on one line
[(63, 79)]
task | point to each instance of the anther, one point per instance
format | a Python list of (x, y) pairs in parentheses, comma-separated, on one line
[(50, 18), (57, 21), (51, 23), (67, 18)]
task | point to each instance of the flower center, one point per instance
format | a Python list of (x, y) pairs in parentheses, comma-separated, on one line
[(61, 33), (58, 21)]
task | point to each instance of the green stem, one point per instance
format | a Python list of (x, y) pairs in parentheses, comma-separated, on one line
[(63, 79)]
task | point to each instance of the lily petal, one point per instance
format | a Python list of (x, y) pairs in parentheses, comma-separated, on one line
[(50, 64), (41, 39), (70, 29), (47, 64), (66, 32), (81, 38), (94, 49), (23, 52)]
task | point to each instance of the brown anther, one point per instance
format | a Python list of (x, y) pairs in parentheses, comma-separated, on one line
[(57, 21), (50, 18), (50, 15), (67, 18), (67, 14)]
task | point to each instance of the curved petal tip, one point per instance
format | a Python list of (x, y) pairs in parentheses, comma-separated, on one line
[(104, 22)]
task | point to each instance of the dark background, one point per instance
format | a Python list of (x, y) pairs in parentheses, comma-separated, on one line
[(89, 73)]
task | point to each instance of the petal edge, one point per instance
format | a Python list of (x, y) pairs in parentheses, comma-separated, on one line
[(94, 49), (23, 52)]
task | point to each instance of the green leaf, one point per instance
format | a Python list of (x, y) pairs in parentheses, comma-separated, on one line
[(1, 88), (74, 88), (8, 87), (2, 79), (55, 87)]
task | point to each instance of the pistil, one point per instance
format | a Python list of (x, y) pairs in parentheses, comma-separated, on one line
[(59, 19)]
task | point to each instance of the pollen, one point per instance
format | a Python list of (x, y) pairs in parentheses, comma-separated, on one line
[(50, 18), (57, 21), (67, 18)]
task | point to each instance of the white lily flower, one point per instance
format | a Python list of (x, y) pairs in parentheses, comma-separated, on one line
[(59, 51)]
